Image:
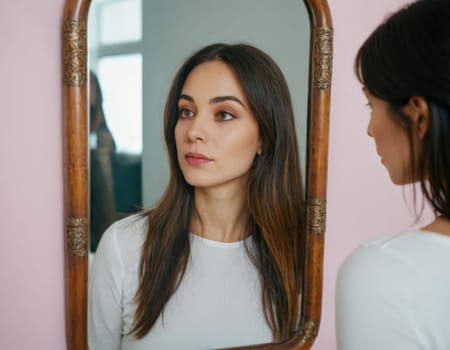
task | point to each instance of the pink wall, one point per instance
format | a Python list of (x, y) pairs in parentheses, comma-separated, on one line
[(31, 240), (362, 203)]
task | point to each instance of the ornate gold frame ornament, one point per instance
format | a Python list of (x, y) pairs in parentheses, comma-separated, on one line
[(317, 216), (308, 331), (323, 57), (75, 52), (77, 236)]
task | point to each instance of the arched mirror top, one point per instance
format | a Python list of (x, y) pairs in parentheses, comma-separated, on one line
[(76, 166)]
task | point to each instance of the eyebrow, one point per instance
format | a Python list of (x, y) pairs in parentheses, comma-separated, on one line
[(216, 99)]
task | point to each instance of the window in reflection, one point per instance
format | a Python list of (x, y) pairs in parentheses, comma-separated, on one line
[(120, 21), (121, 81)]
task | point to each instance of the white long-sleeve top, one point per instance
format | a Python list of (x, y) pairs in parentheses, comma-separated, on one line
[(218, 303), (394, 293)]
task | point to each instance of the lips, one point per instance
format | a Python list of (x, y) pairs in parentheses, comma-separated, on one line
[(195, 158)]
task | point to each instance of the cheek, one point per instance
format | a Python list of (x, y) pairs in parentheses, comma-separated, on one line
[(239, 151), (247, 142), (247, 149), (395, 152), (383, 134), (178, 135)]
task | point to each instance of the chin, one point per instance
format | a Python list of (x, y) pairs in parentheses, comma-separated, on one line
[(194, 181), (400, 181)]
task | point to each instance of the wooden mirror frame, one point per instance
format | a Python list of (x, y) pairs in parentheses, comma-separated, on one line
[(76, 183)]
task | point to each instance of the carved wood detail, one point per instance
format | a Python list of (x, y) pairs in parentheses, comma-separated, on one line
[(317, 216), (77, 236), (308, 331), (75, 52), (323, 57)]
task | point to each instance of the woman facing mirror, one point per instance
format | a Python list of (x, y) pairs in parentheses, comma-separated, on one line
[(393, 292), (217, 262)]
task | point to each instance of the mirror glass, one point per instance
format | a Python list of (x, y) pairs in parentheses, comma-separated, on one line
[(135, 48)]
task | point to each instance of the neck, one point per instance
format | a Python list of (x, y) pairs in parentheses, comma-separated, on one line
[(439, 225), (220, 216)]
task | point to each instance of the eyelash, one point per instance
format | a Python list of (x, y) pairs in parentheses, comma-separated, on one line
[(182, 113), (186, 113), (368, 104), (225, 116)]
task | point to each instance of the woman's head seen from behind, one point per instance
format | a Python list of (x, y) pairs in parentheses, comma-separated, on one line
[(404, 67)]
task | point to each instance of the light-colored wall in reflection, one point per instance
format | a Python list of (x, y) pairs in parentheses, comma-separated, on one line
[(173, 29), (362, 203)]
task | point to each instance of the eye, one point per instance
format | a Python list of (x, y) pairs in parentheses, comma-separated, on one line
[(368, 104), (185, 113), (223, 115)]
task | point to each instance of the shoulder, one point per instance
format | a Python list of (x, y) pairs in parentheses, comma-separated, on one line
[(128, 231), (123, 240), (373, 264), (401, 279), (411, 250), (394, 266)]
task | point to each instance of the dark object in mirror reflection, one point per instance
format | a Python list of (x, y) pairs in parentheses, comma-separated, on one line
[(115, 194)]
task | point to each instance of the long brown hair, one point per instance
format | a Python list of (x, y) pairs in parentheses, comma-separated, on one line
[(275, 198)]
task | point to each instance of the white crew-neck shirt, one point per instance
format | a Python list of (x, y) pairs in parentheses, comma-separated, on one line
[(394, 293), (218, 303)]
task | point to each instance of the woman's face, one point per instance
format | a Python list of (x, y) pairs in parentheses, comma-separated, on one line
[(391, 140), (217, 136)]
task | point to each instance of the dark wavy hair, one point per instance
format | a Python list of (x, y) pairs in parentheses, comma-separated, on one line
[(409, 55), (274, 196)]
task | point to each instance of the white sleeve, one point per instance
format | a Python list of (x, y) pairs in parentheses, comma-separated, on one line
[(105, 295), (373, 310)]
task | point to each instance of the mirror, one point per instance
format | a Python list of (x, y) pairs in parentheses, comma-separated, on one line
[(309, 85), (135, 65)]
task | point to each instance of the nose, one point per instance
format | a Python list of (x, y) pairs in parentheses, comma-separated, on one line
[(197, 130), (369, 128)]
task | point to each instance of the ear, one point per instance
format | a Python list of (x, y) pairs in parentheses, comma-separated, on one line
[(259, 150), (419, 113)]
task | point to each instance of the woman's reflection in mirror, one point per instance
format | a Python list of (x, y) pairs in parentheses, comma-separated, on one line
[(393, 292), (102, 148), (218, 261)]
